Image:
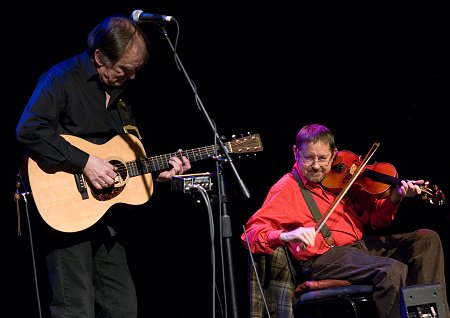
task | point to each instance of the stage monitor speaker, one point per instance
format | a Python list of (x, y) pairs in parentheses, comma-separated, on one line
[(422, 301)]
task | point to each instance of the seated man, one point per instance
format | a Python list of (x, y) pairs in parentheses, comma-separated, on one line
[(386, 262)]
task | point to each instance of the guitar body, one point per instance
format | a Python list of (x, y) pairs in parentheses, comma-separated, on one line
[(59, 200)]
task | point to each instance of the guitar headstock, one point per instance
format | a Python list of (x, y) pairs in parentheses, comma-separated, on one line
[(432, 194), (245, 144)]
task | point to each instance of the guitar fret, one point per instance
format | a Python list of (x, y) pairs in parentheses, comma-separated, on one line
[(131, 168), (199, 153), (162, 162), (141, 166), (144, 165), (137, 167)]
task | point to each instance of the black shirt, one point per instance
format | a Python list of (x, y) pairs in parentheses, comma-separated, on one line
[(69, 99)]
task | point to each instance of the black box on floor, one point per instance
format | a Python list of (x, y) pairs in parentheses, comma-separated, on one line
[(422, 301)]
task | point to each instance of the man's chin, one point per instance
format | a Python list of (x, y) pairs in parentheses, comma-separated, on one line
[(316, 177)]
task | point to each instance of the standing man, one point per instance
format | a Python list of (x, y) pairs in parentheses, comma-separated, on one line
[(85, 96)]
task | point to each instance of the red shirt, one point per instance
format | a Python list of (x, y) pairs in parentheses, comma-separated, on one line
[(285, 209)]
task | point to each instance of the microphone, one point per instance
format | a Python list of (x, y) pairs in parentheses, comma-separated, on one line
[(139, 16)]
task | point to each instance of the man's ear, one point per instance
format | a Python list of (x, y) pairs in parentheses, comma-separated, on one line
[(294, 149), (335, 153), (97, 58)]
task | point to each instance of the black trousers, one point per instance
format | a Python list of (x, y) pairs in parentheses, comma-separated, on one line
[(387, 262), (88, 275)]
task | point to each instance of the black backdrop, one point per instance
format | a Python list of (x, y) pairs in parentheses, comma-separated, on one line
[(372, 72)]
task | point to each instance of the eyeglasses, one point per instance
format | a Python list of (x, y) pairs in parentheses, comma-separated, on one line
[(310, 160)]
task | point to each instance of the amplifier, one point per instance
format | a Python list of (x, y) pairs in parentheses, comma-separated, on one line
[(422, 301)]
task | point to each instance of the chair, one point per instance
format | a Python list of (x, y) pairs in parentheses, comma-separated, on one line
[(285, 298), (337, 302)]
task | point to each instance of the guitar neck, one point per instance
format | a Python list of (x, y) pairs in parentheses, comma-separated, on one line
[(243, 145), (146, 165)]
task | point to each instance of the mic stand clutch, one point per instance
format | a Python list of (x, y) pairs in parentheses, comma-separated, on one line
[(226, 228)]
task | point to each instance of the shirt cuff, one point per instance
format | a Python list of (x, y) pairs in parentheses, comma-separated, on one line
[(274, 239)]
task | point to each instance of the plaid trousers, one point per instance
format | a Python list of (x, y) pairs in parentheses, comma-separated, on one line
[(276, 284)]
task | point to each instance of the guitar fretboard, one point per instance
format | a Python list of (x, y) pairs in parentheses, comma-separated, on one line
[(145, 165)]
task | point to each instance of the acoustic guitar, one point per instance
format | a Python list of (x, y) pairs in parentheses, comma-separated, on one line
[(68, 203)]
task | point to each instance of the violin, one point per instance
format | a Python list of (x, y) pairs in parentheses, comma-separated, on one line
[(349, 171), (375, 179)]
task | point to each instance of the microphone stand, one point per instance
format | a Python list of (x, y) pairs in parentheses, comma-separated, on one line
[(226, 228)]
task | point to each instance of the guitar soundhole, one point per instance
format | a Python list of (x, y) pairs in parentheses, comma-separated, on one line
[(119, 184)]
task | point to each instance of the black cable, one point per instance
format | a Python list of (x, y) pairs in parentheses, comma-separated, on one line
[(21, 184)]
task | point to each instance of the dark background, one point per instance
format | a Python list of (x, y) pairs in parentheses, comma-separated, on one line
[(373, 72)]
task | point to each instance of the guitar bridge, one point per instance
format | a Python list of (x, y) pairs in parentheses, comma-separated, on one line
[(81, 185)]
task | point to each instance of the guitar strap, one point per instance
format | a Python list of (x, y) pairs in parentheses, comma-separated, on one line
[(313, 208), (128, 126)]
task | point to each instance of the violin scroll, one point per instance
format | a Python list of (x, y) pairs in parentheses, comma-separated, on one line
[(432, 194)]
